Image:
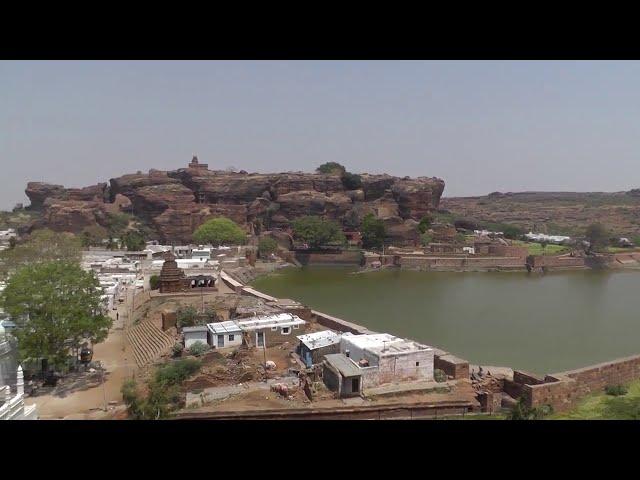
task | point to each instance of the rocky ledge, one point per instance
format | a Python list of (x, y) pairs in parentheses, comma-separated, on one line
[(176, 202)]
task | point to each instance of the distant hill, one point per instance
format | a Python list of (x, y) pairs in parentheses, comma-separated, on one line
[(565, 213)]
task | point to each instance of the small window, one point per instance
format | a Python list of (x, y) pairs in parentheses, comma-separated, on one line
[(231, 337), (286, 330), (296, 327), (273, 329), (417, 364)]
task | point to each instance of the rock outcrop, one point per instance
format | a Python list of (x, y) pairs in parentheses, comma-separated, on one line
[(176, 202)]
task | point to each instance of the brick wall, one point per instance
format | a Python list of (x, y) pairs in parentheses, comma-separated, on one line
[(562, 390), (453, 366), (552, 261)]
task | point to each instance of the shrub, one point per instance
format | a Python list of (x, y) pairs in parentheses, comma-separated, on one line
[(439, 375), (331, 168), (351, 181), (186, 316), (425, 239), (425, 223), (177, 349), (520, 411), (198, 348), (616, 390), (154, 282), (176, 372), (267, 246)]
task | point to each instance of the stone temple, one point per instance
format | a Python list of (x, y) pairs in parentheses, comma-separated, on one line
[(172, 278)]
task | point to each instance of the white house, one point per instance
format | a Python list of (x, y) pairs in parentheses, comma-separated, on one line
[(224, 334), (194, 334)]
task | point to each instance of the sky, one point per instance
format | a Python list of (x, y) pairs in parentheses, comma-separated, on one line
[(482, 126)]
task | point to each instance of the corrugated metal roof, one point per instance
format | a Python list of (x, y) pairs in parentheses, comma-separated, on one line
[(220, 328)]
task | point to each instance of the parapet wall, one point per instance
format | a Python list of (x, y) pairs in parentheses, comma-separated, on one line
[(562, 390), (554, 261)]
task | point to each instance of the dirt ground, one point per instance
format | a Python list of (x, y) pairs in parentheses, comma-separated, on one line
[(85, 396)]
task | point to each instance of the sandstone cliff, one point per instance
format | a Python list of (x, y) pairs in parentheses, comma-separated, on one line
[(176, 202)]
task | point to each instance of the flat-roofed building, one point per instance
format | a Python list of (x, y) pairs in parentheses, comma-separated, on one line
[(393, 359), (224, 334), (270, 330), (314, 346)]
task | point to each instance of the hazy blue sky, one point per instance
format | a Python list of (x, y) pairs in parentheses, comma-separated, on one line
[(481, 126)]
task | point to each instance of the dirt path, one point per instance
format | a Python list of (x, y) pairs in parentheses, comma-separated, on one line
[(86, 398)]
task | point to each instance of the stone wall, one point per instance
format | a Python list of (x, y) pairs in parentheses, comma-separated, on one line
[(461, 263), (554, 261), (350, 257), (451, 365), (562, 390)]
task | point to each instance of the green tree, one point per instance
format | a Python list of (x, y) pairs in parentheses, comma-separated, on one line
[(331, 168), (425, 223), (220, 231), (186, 316), (351, 181), (317, 232), (512, 232), (425, 239), (134, 241), (373, 231), (154, 282), (267, 246), (42, 246), (597, 237), (56, 306)]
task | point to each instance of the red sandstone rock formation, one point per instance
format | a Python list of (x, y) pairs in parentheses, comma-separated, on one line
[(177, 202)]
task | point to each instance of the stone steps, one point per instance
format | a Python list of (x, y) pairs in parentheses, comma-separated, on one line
[(148, 342)]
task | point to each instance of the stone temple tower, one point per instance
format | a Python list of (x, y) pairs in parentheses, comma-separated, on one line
[(197, 165)]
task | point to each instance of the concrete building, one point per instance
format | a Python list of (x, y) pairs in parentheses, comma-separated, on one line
[(270, 330), (194, 334), (314, 346), (385, 358), (340, 374), (224, 334)]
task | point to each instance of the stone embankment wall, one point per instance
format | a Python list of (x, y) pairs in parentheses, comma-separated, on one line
[(555, 262), (461, 263), (562, 390), (349, 257)]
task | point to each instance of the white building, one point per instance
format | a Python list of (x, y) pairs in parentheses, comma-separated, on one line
[(542, 237), (269, 330), (194, 334), (12, 406), (385, 358), (224, 334)]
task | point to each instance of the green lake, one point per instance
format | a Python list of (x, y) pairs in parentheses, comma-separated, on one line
[(540, 323)]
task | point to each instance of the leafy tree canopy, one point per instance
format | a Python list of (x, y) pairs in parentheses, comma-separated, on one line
[(512, 232), (373, 231), (56, 305), (267, 246), (425, 223), (331, 168), (134, 241), (317, 232), (351, 181), (597, 236), (220, 231), (42, 246)]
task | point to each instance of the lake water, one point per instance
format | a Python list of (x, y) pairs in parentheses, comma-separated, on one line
[(540, 323)]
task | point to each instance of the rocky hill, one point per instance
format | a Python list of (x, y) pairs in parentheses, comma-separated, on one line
[(555, 212), (174, 203)]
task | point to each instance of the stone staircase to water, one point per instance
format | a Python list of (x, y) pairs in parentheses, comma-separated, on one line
[(148, 342)]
